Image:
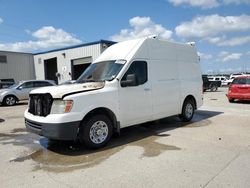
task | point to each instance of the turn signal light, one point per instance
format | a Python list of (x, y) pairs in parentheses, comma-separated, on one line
[(68, 106)]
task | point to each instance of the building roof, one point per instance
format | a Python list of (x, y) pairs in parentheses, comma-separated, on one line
[(77, 46), (5, 51)]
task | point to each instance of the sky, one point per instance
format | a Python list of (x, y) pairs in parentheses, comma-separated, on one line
[(220, 28)]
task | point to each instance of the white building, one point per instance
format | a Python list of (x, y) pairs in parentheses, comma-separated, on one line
[(17, 66), (67, 63)]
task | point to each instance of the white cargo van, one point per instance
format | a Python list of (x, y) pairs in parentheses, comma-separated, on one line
[(132, 82)]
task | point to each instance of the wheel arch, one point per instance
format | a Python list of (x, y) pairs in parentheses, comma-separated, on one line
[(10, 95), (192, 98), (105, 111)]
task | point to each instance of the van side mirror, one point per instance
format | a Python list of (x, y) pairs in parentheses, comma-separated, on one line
[(131, 80)]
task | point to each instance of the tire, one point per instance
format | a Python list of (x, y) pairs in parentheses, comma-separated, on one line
[(96, 131), (187, 110), (231, 100), (214, 88), (9, 100)]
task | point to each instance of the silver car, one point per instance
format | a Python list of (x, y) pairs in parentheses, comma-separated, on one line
[(20, 91)]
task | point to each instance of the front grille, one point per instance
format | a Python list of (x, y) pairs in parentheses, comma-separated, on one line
[(40, 104)]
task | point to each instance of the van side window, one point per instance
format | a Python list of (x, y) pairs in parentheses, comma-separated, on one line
[(140, 69)]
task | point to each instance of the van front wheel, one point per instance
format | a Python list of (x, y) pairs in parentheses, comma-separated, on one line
[(187, 110), (96, 131)]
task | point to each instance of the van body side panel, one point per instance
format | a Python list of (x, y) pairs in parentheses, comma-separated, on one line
[(190, 75), (165, 88), (165, 78)]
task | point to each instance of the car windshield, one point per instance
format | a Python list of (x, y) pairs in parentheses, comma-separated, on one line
[(101, 71), (241, 81), (13, 86)]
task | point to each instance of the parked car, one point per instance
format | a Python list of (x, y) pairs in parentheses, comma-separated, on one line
[(232, 76), (224, 80), (5, 83), (20, 91), (131, 82), (239, 89), (210, 85)]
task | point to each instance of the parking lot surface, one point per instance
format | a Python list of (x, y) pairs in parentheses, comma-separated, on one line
[(211, 151)]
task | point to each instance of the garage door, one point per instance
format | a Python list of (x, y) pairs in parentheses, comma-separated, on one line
[(79, 66)]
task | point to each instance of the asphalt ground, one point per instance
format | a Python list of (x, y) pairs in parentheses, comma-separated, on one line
[(213, 150)]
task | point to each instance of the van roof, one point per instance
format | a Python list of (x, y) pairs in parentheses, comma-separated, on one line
[(127, 49)]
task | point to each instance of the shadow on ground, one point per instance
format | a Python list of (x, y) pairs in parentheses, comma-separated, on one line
[(241, 102), (59, 156), (22, 103)]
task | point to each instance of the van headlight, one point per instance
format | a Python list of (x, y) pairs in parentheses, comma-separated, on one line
[(61, 106)]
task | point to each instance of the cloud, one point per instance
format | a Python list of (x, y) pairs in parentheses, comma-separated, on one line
[(142, 27), (237, 2), (1, 20), (46, 37), (205, 4), (222, 41), (226, 56), (204, 56), (212, 25)]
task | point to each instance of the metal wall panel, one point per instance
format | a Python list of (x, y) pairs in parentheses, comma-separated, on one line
[(19, 66), (64, 59)]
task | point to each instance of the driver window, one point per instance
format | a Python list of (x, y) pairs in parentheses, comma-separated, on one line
[(139, 68)]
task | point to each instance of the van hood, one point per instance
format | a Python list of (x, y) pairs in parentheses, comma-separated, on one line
[(65, 90)]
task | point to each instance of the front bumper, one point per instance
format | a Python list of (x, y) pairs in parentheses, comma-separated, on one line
[(57, 131)]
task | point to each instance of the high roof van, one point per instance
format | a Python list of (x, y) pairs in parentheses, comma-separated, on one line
[(131, 82)]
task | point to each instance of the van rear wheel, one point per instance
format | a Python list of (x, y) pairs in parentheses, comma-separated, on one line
[(96, 131), (187, 110), (214, 88)]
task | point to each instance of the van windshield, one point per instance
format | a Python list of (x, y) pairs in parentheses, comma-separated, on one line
[(101, 71)]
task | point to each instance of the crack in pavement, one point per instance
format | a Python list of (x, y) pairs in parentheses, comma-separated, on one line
[(209, 181)]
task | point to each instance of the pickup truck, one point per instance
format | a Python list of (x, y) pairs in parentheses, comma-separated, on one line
[(210, 85)]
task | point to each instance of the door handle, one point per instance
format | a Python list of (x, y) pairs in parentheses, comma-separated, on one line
[(146, 89)]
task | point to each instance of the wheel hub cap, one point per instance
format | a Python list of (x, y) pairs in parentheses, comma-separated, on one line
[(98, 132), (189, 110), (10, 101)]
